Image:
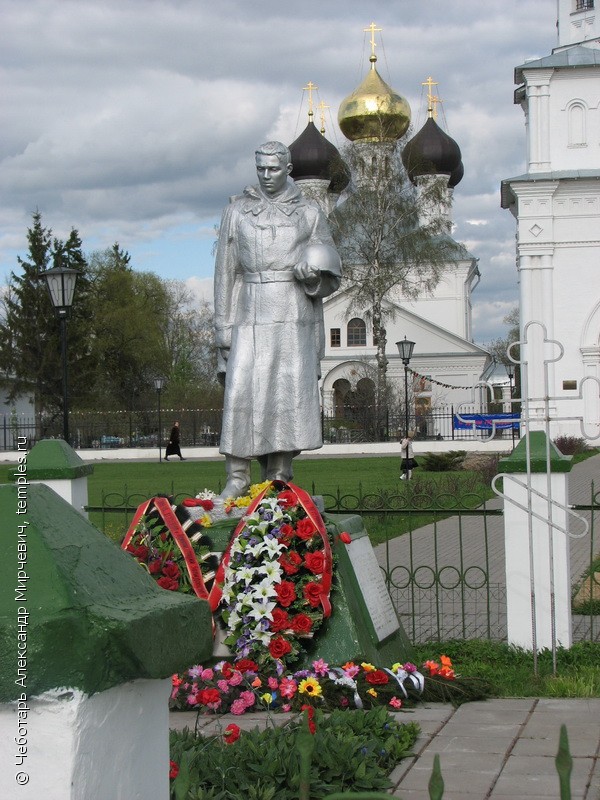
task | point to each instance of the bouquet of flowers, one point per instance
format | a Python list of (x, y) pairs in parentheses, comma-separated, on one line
[(275, 578), (240, 686)]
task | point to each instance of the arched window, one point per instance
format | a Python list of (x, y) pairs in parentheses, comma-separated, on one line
[(577, 122), (357, 333)]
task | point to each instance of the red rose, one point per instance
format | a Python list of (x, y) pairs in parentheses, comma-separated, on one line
[(245, 665), (281, 621), (231, 733), (305, 529), (345, 537), (315, 562), (313, 592), (301, 623), (286, 593), (171, 570), (227, 669), (310, 716), (287, 533), (141, 552), (155, 566), (377, 677), (290, 562), (287, 499), (206, 696), (279, 647), (173, 770), (168, 583)]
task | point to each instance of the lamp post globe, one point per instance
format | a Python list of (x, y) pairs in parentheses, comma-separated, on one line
[(158, 385), (405, 348), (61, 281)]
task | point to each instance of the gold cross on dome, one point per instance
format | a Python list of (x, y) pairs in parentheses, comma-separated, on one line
[(322, 108), (430, 83), (433, 111), (374, 29), (309, 88)]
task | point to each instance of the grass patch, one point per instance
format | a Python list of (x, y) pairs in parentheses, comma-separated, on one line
[(509, 670), (361, 482)]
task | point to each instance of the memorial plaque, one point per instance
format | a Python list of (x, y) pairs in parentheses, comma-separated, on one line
[(372, 585)]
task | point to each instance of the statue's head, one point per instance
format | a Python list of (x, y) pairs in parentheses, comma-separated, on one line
[(273, 165)]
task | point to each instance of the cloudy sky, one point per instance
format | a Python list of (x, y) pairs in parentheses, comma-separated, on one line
[(134, 120)]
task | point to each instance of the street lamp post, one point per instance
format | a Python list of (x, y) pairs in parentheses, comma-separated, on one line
[(158, 385), (61, 286), (510, 370), (405, 348)]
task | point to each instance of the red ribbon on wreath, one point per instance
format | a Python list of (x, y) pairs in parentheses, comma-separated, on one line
[(166, 513)]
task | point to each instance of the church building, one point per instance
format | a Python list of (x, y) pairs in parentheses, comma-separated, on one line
[(556, 203), (446, 365)]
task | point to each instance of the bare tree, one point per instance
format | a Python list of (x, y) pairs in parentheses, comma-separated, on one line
[(392, 237)]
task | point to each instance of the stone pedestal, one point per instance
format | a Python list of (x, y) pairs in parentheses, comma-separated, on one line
[(88, 642)]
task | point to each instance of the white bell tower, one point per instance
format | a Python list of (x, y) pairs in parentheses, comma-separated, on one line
[(557, 207)]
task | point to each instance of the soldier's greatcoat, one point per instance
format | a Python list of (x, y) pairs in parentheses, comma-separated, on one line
[(271, 323)]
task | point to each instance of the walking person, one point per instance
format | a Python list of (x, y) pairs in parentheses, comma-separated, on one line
[(407, 455), (173, 448)]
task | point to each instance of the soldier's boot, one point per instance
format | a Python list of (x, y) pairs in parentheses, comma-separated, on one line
[(279, 467), (238, 477)]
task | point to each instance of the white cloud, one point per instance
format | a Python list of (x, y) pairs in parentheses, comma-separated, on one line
[(134, 120)]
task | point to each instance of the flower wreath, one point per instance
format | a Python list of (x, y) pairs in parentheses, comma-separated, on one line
[(172, 547), (274, 581)]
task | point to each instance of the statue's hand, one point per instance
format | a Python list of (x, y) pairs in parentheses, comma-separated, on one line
[(307, 274)]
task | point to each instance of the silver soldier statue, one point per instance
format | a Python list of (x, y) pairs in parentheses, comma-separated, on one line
[(275, 262)]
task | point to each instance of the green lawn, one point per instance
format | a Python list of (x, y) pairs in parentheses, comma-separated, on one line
[(129, 483)]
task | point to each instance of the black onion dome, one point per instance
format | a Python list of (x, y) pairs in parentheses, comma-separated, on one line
[(431, 152), (456, 176), (315, 157)]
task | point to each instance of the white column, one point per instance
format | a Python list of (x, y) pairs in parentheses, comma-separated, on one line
[(537, 560)]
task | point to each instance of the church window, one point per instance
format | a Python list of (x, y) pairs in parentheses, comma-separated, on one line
[(357, 333), (335, 337), (577, 121)]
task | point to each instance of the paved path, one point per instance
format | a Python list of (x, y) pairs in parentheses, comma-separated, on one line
[(496, 749)]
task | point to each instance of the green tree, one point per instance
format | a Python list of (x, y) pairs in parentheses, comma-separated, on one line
[(130, 316), (30, 352), (393, 240)]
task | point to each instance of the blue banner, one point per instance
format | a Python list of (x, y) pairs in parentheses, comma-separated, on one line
[(487, 421)]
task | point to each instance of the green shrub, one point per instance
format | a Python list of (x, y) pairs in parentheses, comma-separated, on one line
[(352, 750), (570, 445), (442, 462)]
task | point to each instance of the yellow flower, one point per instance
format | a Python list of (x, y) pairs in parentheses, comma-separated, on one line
[(267, 698), (396, 666), (257, 488), (368, 667), (311, 687), (242, 502), (206, 521), (372, 692)]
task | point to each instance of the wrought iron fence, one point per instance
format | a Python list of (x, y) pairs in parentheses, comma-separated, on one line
[(201, 427), (445, 571), (106, 430)]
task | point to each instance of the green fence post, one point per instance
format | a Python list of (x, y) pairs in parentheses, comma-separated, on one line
[(564, 764)]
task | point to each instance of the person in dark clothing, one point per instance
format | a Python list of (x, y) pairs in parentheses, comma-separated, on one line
[(173, 448)]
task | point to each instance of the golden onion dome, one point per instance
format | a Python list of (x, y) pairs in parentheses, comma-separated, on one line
[(374, 112)]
